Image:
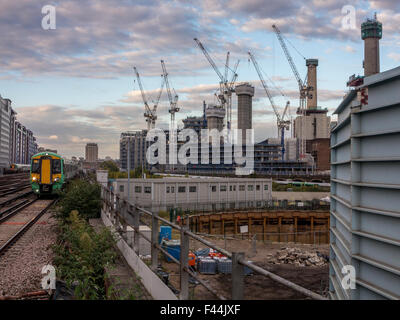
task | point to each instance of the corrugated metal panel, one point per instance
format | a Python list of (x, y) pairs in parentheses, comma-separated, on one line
[(365, 190)]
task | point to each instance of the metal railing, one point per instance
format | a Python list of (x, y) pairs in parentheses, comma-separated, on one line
[(124, 214)]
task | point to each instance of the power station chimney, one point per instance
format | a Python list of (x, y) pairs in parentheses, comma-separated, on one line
[(312, 101), (371, 33), (245, 93)]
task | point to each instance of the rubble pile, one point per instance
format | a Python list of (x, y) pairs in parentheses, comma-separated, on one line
[(299, 257)]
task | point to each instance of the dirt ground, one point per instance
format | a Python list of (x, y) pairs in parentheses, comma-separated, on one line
[(258, 287)]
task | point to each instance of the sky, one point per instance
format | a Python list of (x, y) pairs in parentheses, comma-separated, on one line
[(75, 84)]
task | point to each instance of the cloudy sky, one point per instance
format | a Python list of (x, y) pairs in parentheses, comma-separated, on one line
[(75, 84)]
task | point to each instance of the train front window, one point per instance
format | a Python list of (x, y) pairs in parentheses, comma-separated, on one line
[(56, 166), (35, 166)]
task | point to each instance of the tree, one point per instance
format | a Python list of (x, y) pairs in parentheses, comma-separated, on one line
[(109, 165)]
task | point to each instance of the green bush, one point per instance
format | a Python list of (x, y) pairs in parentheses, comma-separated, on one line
[(109, 165), (81, 255), (82, 196)]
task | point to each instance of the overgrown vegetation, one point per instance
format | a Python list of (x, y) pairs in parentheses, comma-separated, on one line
[(82, 196), (81, 255), (298, 188)]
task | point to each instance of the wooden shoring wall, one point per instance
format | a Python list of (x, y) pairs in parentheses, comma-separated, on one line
[(276, 226)]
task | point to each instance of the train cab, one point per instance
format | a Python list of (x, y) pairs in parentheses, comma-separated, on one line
[(47, 174)]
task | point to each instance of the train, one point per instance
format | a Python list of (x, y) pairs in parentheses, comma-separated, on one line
[(49, 172), (17, 168)]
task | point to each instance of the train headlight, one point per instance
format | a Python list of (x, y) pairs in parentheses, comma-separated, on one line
[(34, 179), (56, 179)]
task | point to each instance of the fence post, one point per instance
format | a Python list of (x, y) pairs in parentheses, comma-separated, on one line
[(184, 275), (154, 240), (237, 276), (136, 230)]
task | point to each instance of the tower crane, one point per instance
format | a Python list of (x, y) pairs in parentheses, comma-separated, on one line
[(149, 114), (304, 90), (172, 100), (226, 85), (282, 124)]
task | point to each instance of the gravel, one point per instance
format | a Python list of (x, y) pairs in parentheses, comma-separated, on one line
[(21, 265)]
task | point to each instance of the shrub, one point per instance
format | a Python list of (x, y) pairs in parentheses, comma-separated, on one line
[(81, 255), (82, 196)]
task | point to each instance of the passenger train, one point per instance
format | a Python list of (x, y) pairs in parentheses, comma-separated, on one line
[(49, 172)]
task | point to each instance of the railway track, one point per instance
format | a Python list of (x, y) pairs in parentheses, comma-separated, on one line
[(17, 219)]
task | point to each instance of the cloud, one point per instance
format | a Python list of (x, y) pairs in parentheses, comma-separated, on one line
[(349, 49), (394, 56)]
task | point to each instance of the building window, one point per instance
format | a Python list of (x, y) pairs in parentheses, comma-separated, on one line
[(138, 189), (213, 188), (258, 187), (242, 187), (265, 187), (192, 189), (147, 189), (250, 187), (121, 188), (222, 188), (181, 189), (168, 189)]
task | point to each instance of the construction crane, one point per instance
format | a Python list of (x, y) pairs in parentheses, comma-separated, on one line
[(226, 85), (172, 100), (282, 124), (304, 90), (149, 114)]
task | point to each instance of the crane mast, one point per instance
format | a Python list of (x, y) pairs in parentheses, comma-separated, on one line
[(226, 87), (148, 114), (303, 89), (281, 123), (172, 100)]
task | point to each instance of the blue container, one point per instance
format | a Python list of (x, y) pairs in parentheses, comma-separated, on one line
[(207, 266), (165, 233), (173, 247), (225, 266)]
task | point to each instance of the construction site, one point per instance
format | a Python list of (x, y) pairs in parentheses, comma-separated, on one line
[(201, 210), (303, 152)]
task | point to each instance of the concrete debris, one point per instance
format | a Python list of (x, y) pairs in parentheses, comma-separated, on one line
[(298, 257)]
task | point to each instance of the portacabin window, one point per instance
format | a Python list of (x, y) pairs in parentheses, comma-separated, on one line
[(213, 188), (222, 188), (138, 189), (192, 189), (168, 189), (182, 189), (258, 187), (265, 187), (121, 188), (250, 187), (147, 189), (242, 187)]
